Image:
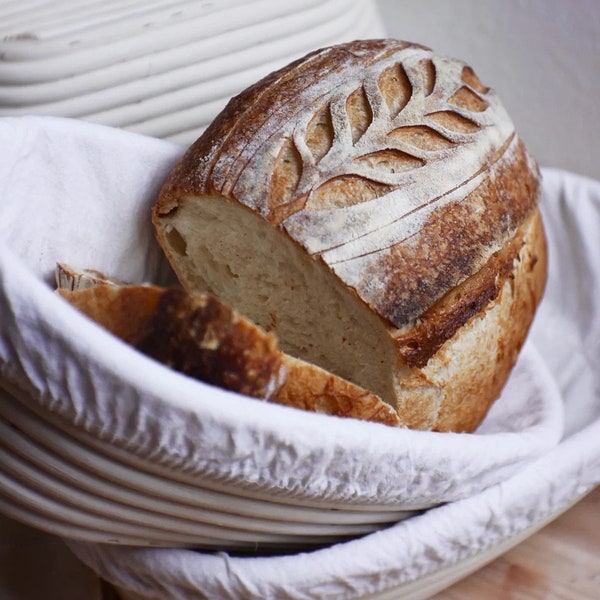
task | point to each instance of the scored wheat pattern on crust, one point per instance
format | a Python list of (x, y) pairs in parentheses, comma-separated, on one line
[(379, 158), (404, 132)]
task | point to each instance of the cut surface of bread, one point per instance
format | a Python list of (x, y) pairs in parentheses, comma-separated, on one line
[(204, 338), (373, 206)]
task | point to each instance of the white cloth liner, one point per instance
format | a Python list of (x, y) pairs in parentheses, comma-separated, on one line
[(81, 193), (85, 192)]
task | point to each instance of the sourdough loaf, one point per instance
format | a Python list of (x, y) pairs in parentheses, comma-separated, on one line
[(373, 206), (202, 337)]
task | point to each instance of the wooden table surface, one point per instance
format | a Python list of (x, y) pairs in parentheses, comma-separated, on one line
[(560, 562)]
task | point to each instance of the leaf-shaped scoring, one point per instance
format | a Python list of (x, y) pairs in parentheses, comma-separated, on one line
[(468, 99), (344, 191), (422, 136), (395, 122), (359, 112), (446, 110), (287, 172), (453, 121), (319, 133), (391, 161), (395, 88)]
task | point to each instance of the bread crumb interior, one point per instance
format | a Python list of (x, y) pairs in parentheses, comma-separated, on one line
[(223, 248)]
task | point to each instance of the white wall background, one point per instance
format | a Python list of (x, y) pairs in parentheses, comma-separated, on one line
[(541, 56)]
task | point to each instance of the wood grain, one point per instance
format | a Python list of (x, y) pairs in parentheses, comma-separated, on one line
[(560, 562)]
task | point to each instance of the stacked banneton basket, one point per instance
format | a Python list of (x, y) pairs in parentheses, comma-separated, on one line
[(158, 67), (116, 454)]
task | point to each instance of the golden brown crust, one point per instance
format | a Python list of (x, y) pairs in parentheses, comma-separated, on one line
[(203, 338), (467, 406), (439, 323), (124, 311), (198, 336), (459, 383), (310, 388)]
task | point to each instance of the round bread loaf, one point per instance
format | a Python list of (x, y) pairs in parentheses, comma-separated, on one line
[(373, 206)]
